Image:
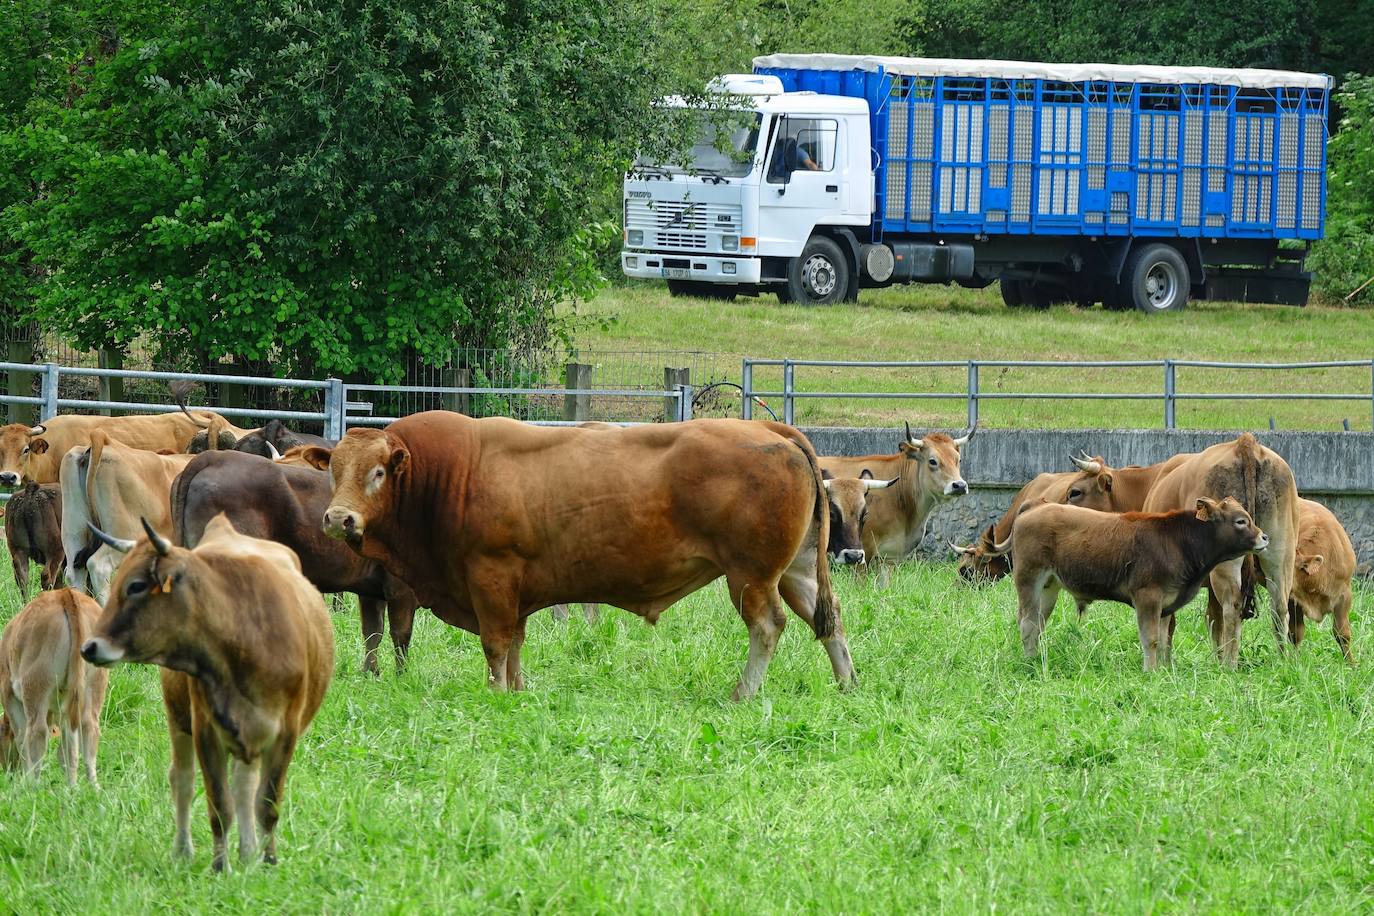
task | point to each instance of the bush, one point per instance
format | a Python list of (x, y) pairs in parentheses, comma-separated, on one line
[(1345, 258)]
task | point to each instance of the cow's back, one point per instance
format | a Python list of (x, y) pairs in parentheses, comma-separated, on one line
[(1254, 475)]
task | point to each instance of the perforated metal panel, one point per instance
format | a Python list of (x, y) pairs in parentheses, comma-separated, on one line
[(999, 142), (1314, 175), (1060, 160), (1023, 140), (1097, 149), (897, 151)]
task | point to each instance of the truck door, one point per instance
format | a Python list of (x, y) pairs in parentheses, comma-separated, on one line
[(801, 182)]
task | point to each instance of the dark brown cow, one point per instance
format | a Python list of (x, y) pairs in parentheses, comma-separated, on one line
[(977, 562), (247, 651), (848, 498), (33, 528), (927, 474), (282, 503), (493, 520), (1155, 562)]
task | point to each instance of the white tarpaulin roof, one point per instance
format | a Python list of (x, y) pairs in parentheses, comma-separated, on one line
[(1068, 73)]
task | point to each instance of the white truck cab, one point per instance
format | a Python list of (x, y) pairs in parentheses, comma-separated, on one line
[(723, 223)]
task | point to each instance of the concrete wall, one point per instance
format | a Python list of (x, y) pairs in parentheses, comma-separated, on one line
[(1336, 469)]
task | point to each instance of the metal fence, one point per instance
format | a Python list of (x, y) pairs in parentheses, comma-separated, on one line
[(1167, 394)]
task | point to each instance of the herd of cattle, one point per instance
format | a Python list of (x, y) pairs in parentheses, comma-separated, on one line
[(206, 549)]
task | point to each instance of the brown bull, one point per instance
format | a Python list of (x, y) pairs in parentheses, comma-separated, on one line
[(926, 472), (1155, 562), (492, 520), (247, 651)]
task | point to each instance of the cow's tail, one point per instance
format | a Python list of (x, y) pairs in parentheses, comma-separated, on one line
[(1251, 467), (76, 680), (181, 390), (823, 620)]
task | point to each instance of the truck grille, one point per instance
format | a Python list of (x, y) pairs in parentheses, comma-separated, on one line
[(682, 224)]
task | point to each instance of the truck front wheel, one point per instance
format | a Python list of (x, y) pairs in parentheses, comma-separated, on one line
[(1155, 279), (820, 276)]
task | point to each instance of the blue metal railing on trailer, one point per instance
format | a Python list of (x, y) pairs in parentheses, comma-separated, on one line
[(996, 156)]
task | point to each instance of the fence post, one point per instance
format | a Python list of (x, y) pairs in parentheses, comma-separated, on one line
[(335, 409), (684, 401), (21, 383), (788, 414), (673, 380), (232, 394), (577, 408), (1169, 394), (746, 378), (110, 389), (458, 377), (1371, 394), (972, 394), (50, 382)]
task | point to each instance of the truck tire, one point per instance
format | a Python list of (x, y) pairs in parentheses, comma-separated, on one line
[(820, 276), (1012, 293), (1155, 279), (1026, 294), (696, 289)]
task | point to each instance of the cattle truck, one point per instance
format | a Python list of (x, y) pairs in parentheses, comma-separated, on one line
[(1133, 186)]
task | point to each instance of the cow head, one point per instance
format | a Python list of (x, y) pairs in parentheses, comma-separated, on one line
[(936, 458), (976, 562), (148, 607), (1236, 532), (216, 437), (1091, 488), (275, 435), (363, 469), (848, 497), (1309, 564), (17, 443)]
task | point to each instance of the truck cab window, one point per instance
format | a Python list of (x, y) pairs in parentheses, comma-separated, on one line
[(803, 144)]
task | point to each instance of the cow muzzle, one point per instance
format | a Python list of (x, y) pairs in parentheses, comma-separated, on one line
[(9, 479), (852, 557), (342, 523), (1261, 542), (956, 487), (101, 652)]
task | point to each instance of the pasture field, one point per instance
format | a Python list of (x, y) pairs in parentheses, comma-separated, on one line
[(936, 322), (957, 777)]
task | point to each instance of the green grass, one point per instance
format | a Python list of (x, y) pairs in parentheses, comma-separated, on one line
[(957, 777), (934, 322)]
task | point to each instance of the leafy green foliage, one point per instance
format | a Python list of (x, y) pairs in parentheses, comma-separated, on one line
[(1344, 260)]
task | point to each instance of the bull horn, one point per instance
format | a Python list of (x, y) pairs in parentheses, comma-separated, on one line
[(1086, 464), (160, 543), (38, 430), (916, 443), (827, 482), (123, 545), (272, 452), (964, 550), (870, 484), (962, 440)]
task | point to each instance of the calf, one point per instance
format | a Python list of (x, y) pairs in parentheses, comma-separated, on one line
[(848, 498), (247, 651), (44, 683), (1155, 562), (1325, 566), (33, 528), (283, 502)]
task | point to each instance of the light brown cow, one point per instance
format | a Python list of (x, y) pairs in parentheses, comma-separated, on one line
[(33, 530), (111, 486), (1155, 562), (45, 683), (927, 474), (1325, 566), (491, 520), (247, 651), (35, 453), (848, 497), (978, 563), (1256, 476)]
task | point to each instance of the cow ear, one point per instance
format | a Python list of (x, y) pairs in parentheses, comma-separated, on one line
[(1106, 480), (1205, 508), (317, 457), (38, 446), (865, 474), (400, 460), (826, 475), (1311, 564)]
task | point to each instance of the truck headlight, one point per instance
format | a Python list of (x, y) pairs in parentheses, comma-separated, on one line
[(635, 237), (730, 243), (728, 267)]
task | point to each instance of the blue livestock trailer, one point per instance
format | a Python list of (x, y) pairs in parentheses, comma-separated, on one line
[(1135, 186)]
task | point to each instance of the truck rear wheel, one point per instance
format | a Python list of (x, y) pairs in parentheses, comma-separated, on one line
[(1155, 279), (820, 276), (1026, 294)]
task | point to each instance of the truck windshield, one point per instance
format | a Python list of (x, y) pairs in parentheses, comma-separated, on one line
[(724, 147)]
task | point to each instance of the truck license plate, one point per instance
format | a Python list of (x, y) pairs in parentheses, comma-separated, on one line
[(676, 273)]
